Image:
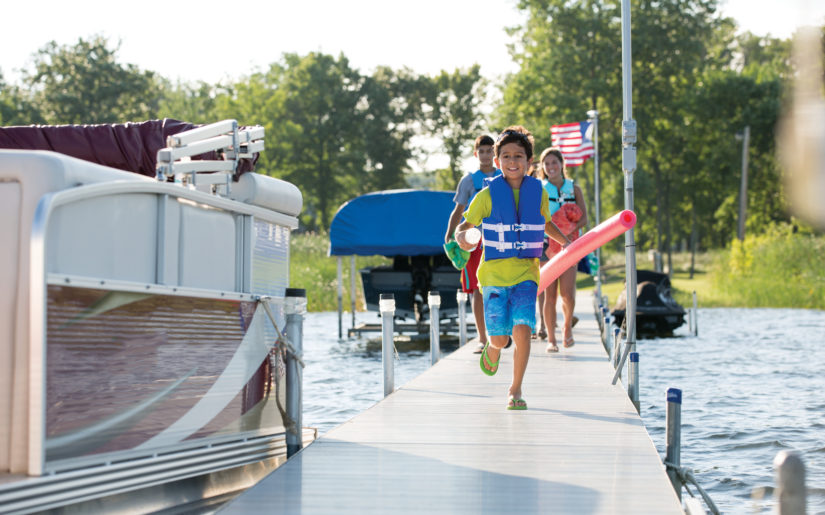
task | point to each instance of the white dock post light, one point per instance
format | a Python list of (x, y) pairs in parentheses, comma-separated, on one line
[(673, 438), (434, 300), (386, 305)]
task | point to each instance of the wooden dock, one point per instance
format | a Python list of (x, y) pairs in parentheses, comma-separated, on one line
[(444, 443)]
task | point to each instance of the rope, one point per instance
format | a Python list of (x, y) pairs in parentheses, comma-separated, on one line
[(281, 349), (281, 338), (686, 476)]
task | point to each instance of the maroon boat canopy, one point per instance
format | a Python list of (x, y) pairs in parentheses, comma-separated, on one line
[(127, 146)]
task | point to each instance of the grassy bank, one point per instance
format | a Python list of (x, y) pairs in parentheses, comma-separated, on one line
[(777, 269), (310, 267)]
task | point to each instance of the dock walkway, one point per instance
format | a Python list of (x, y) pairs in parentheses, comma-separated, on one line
[(444, 443)]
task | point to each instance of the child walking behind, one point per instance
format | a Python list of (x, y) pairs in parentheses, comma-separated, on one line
[(514, 214)]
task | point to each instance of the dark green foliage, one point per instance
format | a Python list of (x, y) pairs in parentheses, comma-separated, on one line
[(84, 84)]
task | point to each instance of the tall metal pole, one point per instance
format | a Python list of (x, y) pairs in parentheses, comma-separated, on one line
[(743, 187), (594, 116), (628, 166)]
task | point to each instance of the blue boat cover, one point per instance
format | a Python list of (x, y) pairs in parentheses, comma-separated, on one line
[(391, 223)]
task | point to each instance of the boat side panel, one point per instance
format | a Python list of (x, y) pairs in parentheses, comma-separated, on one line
[(122, 368), (270, 259), (9, 227), (206, 248), (110, 237)]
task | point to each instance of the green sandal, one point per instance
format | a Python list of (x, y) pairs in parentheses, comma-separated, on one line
[(516, 404), (485, 359)]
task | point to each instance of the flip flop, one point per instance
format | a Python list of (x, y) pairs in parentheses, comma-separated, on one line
[(516, 404), (574, 320), (569, 342), (552, 347), (485, 359), (542, 334)]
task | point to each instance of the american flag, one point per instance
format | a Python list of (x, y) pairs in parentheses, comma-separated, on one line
[(575, 140)]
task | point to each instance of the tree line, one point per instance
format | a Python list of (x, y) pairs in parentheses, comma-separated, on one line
[(337, 133)]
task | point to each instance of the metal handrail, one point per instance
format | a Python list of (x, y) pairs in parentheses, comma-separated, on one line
[(223, 137)]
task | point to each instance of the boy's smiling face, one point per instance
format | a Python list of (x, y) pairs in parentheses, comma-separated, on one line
[(512, 160)]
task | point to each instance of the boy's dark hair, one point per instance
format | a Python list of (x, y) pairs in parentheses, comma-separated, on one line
[(515, 134), (482, 141)]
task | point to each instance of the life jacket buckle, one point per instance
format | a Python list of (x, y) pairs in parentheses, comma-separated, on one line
[(520, 245), (519, 227)]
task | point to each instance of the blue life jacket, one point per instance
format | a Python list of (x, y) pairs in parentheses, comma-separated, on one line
[(510, 233), (480, 180), (558, 198)]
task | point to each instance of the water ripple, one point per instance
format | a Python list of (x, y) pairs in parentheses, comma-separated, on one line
[(751, 387)]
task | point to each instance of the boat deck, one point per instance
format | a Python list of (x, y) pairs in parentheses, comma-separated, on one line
[(444, 443)]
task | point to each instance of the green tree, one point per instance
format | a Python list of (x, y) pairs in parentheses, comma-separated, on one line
[(84, 83), (330, 130), (15, 107), (191, 102), (455, 100), (569, 63)]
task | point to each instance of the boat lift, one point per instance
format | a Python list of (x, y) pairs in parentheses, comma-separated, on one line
[(406, 226)]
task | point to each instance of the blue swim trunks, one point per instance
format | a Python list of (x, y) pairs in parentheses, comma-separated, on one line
[(508, 306)]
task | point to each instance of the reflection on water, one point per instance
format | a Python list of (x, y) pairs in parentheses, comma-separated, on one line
[(752, 386)]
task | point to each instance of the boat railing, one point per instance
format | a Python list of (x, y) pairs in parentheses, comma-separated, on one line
[(225, 138)]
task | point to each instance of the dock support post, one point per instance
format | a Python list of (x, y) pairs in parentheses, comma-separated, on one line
[(673, 438), (295, 306), (790, 483), (340, 295), (386, 305), (606, 334), (694, 330), (352, 288), (606, 328), (434, 300), (617, 345), (633, 380), (461, 299)]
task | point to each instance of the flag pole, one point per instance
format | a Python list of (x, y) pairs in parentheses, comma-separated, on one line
[(629, 166), (593, 115)]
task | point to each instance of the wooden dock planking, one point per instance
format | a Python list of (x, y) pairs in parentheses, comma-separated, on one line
[(444, 443)]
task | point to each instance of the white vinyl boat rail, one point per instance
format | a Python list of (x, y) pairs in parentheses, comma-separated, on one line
[(225, 138)]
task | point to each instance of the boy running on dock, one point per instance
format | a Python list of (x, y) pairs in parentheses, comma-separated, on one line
[(514, 214), (468, 188)]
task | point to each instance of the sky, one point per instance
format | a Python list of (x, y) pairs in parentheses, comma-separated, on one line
[(214, 41)]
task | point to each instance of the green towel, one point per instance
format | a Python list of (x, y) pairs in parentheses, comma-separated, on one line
[(457, 256)]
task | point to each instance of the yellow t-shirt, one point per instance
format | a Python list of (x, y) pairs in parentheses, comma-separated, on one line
[(505, 271)]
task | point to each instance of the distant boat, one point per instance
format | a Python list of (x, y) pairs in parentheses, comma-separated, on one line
[(408, 227), (657, 313)]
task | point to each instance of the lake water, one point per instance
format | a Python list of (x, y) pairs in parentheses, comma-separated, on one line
[(752, 385)]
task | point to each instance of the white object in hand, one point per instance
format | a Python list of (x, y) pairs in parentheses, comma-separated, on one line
[(472, 236)]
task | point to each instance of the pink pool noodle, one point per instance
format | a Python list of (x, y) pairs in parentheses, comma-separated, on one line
[(587, 243)]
